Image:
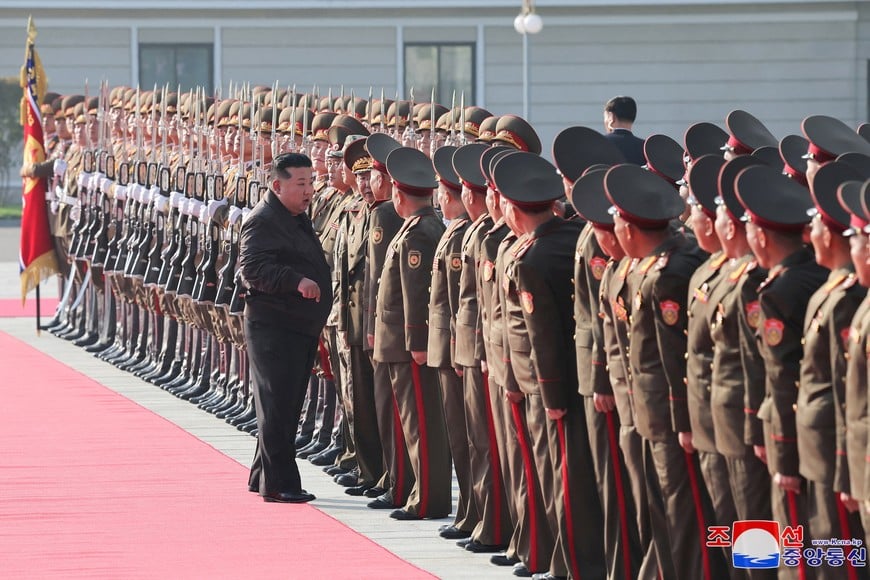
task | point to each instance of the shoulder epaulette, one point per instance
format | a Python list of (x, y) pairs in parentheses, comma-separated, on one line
[(521, 249), (647, 263), (717, 263), (831, 285), (850, 281), (623, 269)]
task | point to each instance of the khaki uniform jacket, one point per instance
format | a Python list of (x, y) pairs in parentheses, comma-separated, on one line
[(444, 296), (490, 275), (384, 224), (401, 323), (821, 433), (351, 272), (469, 349), (705, 291), (589, 265), (783, 299), (614, 304), (856, 402), (658, 287), (738, 369)]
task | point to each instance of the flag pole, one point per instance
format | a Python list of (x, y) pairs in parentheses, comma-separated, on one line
[(38, 312)]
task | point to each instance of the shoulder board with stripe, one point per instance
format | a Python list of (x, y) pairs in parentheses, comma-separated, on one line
[(831, 285), (717, 263)]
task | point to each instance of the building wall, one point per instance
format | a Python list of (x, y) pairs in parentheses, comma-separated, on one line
[(683, 61)]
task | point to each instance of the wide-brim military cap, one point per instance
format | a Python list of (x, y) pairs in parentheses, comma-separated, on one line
[(664, 157), (378, 111), (48, 98), (172, 103), (516, 132), (337, 135), (351, 123), (57, 106), (642, 197), (411, 171), (864, 131), (857, 161), (79, 114), (398, 113), (727, 175), (830, 137), (772, 199), (769, 156), (703, 139), (488, 128), (791, 150), (245, 115), (487, 159), (590, 199), (851, 195), (466, 164), (495, 160), (576, 148), (704, 181), (443, 162), (424, 117), (325, 105), (474, 117), (528, 180), (263, 120), (445, 122), (827, 181), (69, 103), (379, 146), (320, 126), (356, 157), (747, 133)]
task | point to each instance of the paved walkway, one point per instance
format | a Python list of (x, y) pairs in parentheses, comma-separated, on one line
[(416, 542)]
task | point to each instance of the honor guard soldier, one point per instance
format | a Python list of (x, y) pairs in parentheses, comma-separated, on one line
[(776, 214), (745, 134), (401, 334), (538, 289), (443, 306), (736, 391), (514, 131), (384, 223), (575, 150), (644, 205), (820, 418)]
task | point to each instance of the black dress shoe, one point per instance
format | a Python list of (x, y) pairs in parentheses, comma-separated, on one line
[(521, 571), (313, 448), (334, 470), (380, 503), (326, 457), (403, 515), (547, 576), (449, 532), (300, 496), (349, 479), (303, 440), (464, 542), (479, 548), (358, 490), (504, 560), (375, 492)]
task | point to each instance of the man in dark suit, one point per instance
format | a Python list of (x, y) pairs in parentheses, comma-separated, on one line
[(288, 300), (619, 116)]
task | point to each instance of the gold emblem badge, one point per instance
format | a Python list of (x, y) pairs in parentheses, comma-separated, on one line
[(773, 331), (753, 314), (414, 259), (619, 310), (377, 235), (488, 269), (528, 301), (597, 265), (456, 262), (670, 312), (638, 301)]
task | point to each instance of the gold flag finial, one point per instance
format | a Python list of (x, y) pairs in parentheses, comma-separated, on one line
[(31, 29)]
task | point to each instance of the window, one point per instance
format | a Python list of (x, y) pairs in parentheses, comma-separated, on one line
[(188, 65), (449, 67)]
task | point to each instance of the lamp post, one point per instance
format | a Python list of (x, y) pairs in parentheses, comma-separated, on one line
[(527, 22)]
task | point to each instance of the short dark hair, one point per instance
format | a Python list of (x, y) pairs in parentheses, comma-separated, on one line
[(286, 161), (623, 108)]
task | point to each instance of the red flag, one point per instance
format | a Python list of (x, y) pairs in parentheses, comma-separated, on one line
[(36, 255)]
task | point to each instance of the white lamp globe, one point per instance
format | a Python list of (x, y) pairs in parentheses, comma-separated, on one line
[(519, 24), (532, 23)]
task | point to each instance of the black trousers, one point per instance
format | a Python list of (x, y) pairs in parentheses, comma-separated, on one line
[(281, 362)]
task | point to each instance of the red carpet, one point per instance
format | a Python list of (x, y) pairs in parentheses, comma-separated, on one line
[(12, 308), (94, 486)]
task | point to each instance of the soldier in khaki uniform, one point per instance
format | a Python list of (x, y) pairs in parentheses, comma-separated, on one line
[(820, 415), (443, 305), (538, 289), (401, 334), (776, 214), (644, 205), (384, 223)]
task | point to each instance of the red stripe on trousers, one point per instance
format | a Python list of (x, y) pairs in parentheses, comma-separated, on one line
[(424, 449), (528, 468), (699, 514), (324, 360), (494, 462), (399, 445), (793, 522), (845, 532), (620, 495), (569, 517)]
